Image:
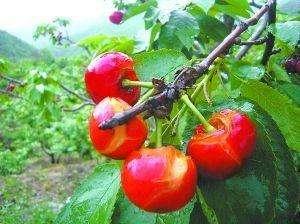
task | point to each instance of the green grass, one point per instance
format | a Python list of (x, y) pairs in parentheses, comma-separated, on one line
[(16, 205)]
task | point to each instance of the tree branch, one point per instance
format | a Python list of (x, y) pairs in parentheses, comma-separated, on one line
[(78, 107), (161, 104), (85, 99), (12, 80), (270, 37), (257, 33), (250, 42), (10, 94)]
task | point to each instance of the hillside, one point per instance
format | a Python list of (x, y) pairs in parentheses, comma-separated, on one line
[(14, 48)]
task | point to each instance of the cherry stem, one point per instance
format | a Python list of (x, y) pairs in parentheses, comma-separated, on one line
[(158, 132), (145, 96), (191, 106), (131, 83)]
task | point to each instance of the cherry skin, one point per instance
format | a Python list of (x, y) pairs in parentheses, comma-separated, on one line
[(221, 153), (119, 141), (116, 17), (293, 64), (104, 76), (159, 180)]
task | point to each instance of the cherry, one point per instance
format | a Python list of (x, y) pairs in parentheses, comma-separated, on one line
[(219, 154), (159, 180), (105, 74), (117, 142), (293, 64), (116, 17)]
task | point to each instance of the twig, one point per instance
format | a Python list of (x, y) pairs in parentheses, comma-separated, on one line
[(243, 51), (10, 94), (12, 80), (250, 42), (76, 94), (161, 104), (270, 37), (78, 107)]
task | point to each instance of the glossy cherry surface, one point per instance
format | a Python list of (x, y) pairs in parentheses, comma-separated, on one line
[(221, 153), (159, 180), (117, 142), (104, 76)]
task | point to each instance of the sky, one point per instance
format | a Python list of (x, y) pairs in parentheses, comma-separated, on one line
[(20, 17)]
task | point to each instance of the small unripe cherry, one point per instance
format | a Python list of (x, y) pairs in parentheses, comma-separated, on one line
[(104, 76), (159, 180), (221, 153), (116, 17), (121, 140)]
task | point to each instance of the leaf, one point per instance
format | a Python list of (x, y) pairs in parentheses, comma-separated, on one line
[(93, 201), (179, 31), (246, 70), (290, 7), (233, 7), (103, 43), (212, 27), (181, 216), (150, 17), (158, 64), (279, 106), (288, 32), (205, 4), (137, 8), (127, 213), (291, 90), (265, 190)]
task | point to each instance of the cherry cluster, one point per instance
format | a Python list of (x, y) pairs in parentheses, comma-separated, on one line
[(161, 179)]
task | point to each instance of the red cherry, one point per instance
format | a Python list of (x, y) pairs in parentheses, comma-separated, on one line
[(221, 153), (105, 74), (118, 142), (116, 17), (159, 180)]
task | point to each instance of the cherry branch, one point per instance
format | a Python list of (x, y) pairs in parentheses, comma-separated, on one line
[(250, 42), (257, 33), (160, 105), (12, 80), (270, 42), (85, 99)]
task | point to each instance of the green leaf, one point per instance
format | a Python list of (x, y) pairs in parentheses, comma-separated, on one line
[(103, 43), (291, 90), (233, 7), (181, 216), (150, 17), (290, 7), (288, 32), (279, 106), (265, 190), (180, 31), (205, 4), (137, 8), (212, 27), (127, 213), (157, 64), (93, 201), (245, 70)]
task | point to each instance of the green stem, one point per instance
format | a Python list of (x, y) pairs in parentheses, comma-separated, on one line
[(177, 117), (131, 83), (158, 132), (145, 96), (191, 106)]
